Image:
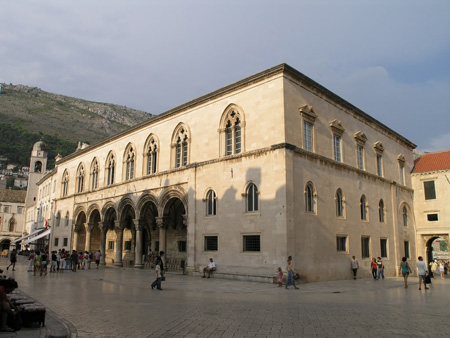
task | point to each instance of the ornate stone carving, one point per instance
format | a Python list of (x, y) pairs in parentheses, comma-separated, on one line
[(360, 138), (337, 127), (308, 113)]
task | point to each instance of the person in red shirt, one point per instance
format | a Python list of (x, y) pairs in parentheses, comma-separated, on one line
[(6, 307)]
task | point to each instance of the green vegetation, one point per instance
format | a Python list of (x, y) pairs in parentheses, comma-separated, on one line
[(16, 145)]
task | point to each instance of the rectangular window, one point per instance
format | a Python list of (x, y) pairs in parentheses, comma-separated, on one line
[(229, 141), (6, 208), (383, 247), (430, 191), (406, 244), (181, 246), (20, 210), (341, 243), (337, 148), (127, 245), (380, 165), (110, 245), (360, 154), (365, 247), (65, 241), (251, 243), (56, 241), (432, 217), (307, 136), (211, 243)]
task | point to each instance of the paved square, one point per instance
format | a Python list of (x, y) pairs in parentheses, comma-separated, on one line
[(118, 302)]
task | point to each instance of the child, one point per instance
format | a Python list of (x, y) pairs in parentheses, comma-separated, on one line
[(280, 277), (157, 281)]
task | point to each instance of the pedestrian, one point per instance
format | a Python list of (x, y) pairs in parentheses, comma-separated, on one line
[(86, 260), (159, 259), (280, 277), (62, 261), (97, 256), (74, 260), (90, 257), (355, 266), (442, 269), (54, 261), (31, 261), (44, 257), (374, 268), (433, 265), (158, 279), (405, 271), (12, 259), (422, 269), (290, 273), (380, 267), (37, 262)]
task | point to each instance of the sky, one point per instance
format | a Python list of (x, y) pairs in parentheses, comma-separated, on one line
[(389, 58)]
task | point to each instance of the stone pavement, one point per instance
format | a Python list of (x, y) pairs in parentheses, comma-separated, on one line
[(118, 302)]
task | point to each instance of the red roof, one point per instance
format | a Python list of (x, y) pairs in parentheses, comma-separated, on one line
[(432, 162)]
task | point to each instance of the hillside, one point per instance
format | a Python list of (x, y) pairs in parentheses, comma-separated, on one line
[(28, 114), (67, 117)]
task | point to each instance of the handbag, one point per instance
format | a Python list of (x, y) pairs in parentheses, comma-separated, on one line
[(427, 279), (296, 276)]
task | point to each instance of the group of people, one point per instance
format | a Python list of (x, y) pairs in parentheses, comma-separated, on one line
[(58, 261), (377, 268), (439, 266), (291, 273)]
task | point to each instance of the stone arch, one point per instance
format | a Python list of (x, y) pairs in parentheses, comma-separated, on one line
[(174, 192), (79, 229), (148, 211), (429, 239), (94, 219)]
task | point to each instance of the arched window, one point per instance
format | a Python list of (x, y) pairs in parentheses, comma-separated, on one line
[(67, 219), (180, 142), (129, 163), (251, 198), (152, 155), (405, 216), (12, 224), (210, 203), (363, 207), (339, 203), (58, 219), (110, 169), (65, 183), (80, 178), (231, 131), (310, 205), (38, 167), (381, 211), (94, 175)]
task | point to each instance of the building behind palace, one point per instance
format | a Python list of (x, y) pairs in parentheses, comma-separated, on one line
[(270, 166), (431, 184), (12, 216)]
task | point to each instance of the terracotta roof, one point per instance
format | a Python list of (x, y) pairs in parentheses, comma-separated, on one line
[(13, 196), (432, 162)]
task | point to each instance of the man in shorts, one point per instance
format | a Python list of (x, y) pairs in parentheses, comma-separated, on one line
[(422, 268)]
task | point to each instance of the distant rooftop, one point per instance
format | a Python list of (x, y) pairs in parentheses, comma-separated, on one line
[(433, 162), (13, 196)]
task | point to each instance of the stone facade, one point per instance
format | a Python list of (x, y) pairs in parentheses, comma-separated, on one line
[(270, 166), (12, 217), (431, 184)]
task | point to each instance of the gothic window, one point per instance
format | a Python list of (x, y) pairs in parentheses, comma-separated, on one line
[(310, 198), (231, 131), (65, 183), (211, 203), (130, 157), (381, 211), (405, 216), (180, 143), (110, 169), (80, 178), (363, 208), (251, 198), (339, 203), (12, 223), (58, 219), (152, 155), (94, 175), (67, 219)]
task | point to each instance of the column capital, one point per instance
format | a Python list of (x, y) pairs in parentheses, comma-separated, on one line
[(119, 226), (160, 221), (89, 226), (138, 224), (78, 227), (185, 220)]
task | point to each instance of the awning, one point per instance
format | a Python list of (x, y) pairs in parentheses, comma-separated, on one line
[(32, 234), (45, 233)]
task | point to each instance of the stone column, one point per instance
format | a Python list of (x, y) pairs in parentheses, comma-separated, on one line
[(89, 227), (103, 229), (162, 237), (119, 242), (76, 229), (138, 247)]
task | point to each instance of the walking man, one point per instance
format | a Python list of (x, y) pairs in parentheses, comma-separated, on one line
[(422, 268), (12, 259)]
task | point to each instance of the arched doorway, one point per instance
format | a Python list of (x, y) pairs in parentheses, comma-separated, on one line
[(94, 219), (150, 237), (174, 221), (108, 252), (80, 232), (5, 244), (127, 218), (437, 248)]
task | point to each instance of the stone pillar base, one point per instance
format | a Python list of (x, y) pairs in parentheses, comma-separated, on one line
[(118, 264), (138, 266)]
